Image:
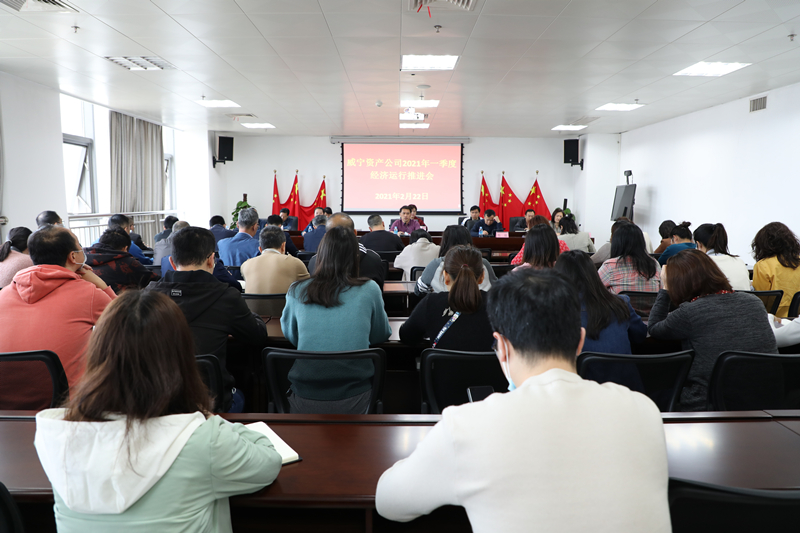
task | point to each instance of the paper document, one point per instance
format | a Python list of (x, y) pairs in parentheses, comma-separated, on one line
[(287, 453)]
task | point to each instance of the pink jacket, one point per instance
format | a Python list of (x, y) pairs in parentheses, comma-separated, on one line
[(14, 263), (46, 307)]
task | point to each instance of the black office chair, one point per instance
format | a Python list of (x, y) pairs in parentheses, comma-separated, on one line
[(512, 222), (10, 517), (266, 304), (655, 256), (461, 220), (305, 256), (416, 272), (696, 507), (770, 299), (794, 307), (385, 269), (447, 374), (278, 362), (486, 253), (512, 255), (293, 223), (51, 361), (154, 268), (743, 381), (642, 302), (502, 270), (388, 255), (211, 374), (660, 377)]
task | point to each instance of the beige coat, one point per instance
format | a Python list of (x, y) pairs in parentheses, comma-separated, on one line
[(272, 273), (420, 253)]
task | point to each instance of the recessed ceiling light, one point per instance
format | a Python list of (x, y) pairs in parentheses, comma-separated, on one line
[(412, 116), (568, 127), (419, 103), (711, 69), (264, 125), (142, 63), (217, 103), (408, 126), (412, 62), (619, 107)]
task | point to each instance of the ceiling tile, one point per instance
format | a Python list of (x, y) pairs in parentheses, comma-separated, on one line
[(363, 24), (540, 8), (511, 27), (291, 25), (191, 7), (583, 29), (279, 6), (306, 46), (654, 31), (377, 47), (621, 9), (701, 10), (216, 25), (452, 24), (482, 47)]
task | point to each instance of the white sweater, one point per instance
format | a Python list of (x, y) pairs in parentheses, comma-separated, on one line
[(734, 269), (559, 454)]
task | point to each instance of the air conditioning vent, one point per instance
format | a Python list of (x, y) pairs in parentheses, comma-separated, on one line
[(757, 104), (450, 5), (56, 6), (141, 62)]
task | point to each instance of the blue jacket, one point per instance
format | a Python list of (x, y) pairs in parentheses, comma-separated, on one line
[(221, 232), (135, 251), (237, 249), (312, 239), (673, 249), (491, 230)]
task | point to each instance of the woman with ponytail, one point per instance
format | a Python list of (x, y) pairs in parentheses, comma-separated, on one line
[(457, 319), (14, 254), (712, 239), (681, 238)]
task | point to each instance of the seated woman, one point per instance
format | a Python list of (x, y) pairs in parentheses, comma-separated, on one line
[(535, 221), (630, 267), (136, 448), (574, 238), (334, 311), (681, 238), (664, 230), (712, 239), (454, 320), (777, 252), (14, 255), (710, 319), (603, 253), (419, 252), (540, 249), (555, 220), (432, 278)]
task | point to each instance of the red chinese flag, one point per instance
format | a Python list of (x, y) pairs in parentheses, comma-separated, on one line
[(536, 201), (510, 205), (276, 202), (307, 212), (293, 202), (486, 201)]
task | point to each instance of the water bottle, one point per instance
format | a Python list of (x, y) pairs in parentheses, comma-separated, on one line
[(395, 230), (480, 232)]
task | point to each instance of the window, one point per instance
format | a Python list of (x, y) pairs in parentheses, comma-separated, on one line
[(170, 202), (79, 174)]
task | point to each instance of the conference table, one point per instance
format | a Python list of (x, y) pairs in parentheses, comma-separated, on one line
[(343, 456)]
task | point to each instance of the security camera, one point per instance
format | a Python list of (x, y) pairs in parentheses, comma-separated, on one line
[(378, 103), (628, 173)]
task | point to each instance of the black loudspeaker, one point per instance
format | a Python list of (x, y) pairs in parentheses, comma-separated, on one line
[(570, 152), (225, 149)]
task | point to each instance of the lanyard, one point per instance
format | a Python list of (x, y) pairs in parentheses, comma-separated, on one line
[(446, 327)]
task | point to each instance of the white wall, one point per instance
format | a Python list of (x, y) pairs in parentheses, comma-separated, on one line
[(722, 164), (33, 164), (255, 158), (192, 167), (595, 186)]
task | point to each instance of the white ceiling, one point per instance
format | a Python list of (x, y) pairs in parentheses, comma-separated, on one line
[(317, 67)]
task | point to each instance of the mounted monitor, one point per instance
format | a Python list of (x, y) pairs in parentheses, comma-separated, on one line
[(623, 202)]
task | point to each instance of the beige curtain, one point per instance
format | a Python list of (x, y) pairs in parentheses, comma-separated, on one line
[(137, 165)]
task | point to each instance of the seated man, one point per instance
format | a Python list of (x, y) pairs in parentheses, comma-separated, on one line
[(164, 246), (237, 249), (213, 309), (312, 239), (168, 222), (110, 260), (287, 223), (328, 212), (318, 211), (126, 223), (521, 461), (522, 225), (48, 218), (52, 305), (277, 221), (273, 271), (486, 227), (370, 265), (472, 219), (217, 226), (405, 224), (379, 239)]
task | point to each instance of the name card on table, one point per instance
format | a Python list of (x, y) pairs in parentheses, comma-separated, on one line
[(501, 234)]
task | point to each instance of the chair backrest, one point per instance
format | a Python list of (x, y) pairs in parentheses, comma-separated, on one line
[(655, 256), (10, 517), (512, 255), (211, 374), (460, 220), (388, 255), (392, 221), (293, 223), (305, 256), (278, 362), (512, 222), (744, 381), (660, 377), (502, 270), (416, 272), (266, 304), (794, 307), (642, 302), (385, 268), (486, 253), (771, 299), (702, 507), (51, 361), (446, 375)]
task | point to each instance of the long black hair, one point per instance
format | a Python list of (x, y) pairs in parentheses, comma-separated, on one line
[(601, 305), (627, 245), (453, 236), (568, 224), (713, 237), (541, 246), (17, 238), (337, 268)]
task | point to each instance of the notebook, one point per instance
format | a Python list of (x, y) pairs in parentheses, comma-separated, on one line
[(287, 453)]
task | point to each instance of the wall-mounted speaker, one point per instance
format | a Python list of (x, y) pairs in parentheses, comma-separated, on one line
[(571, 152), (225, 149)]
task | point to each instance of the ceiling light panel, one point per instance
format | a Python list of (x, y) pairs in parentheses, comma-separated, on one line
[(412, 116), (568, 127), (408, 126), (419, 103), (142, 62), (704, 68), (619, 107), (217, 103), (415, 62), (258, 125)]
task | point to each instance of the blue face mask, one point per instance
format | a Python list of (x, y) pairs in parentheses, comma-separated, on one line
[(511, 385)]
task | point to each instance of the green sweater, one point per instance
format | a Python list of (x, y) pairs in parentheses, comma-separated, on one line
[(357, 323)]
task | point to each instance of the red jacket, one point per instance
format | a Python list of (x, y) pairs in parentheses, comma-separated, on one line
[(46, 307)]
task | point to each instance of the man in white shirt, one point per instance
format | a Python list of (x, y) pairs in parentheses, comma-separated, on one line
[(556, 454)]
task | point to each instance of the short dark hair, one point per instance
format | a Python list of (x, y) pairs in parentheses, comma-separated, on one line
[(538, 311), (47, 217), (713, 237), (115, 238), (665, 228), (777, 240), (192, 246), (682, 231), (119, 220), (418, 234), (216, 219), (274, 220), (453, 236), (320, 208), (529, 211), (405, 207), (285, 210), (541, 246), (627, 245), (319, 220), (271, 237), (374, 220), (169, 221), (328, 211), (474, 208), (489, 212), (692, 273), (51, 245)]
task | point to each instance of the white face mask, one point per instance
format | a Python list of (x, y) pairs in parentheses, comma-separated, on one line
[(507, 370), (80, 267)]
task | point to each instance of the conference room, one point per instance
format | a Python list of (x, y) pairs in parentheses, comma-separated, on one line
[(188, 108)]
